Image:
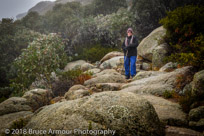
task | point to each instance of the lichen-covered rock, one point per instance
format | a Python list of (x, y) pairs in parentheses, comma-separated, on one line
[(111, 55), (124, 112), (38, 98), (196, 114), (112, 63), (77, 91), (157, 84), (169, 67), (14, 104), (169, 113), (106, 76), (146, 66), (148, 44), (12, 120), (146, 74), (197, 124), (198, 84), (74, 65), (87, 66), (109, 86), (160, 53)]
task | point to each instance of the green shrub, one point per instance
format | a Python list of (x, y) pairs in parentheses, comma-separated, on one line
[(68, 79), (43, 56), (167, 94), (94, 53), (185, 35)]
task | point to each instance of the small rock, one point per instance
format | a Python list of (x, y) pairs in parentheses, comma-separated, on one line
[(87, 66), (111, 55), (198, 84), (177, 131), (74, 65), (196, 114), (7, 120), (77, 91), (108, 86), (112, 63), (146, 66), (14, 104), (93, 71), (38, 98), (169, 67), (160, 53)]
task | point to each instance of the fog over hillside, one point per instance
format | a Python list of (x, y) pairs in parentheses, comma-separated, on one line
[(11, 8)]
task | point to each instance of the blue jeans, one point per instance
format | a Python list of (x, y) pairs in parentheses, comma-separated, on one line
[(130, 65)]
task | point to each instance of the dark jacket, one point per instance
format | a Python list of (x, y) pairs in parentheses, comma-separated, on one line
[(132, 48)]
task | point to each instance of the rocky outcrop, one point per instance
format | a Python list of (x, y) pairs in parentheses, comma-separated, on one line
[(74, 65), (14, 104), (77, 91), (157, 85), (148, 44), (169, 113), (111, 55), (106, 76), (124, 112), (38, 98)]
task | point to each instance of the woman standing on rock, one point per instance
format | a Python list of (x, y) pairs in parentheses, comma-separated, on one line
[(130, 53)]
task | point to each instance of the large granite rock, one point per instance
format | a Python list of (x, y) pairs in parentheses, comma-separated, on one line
[(38, 98), (148, 44), (123, 112), (169, 113), (14, 104), (157, 84), (106, 76)]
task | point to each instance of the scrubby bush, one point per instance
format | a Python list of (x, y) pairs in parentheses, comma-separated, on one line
[(93, 53), (43, 56), (68, 79), (185, 35)]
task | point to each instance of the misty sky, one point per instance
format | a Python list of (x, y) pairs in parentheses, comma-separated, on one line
[(11, 8)]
